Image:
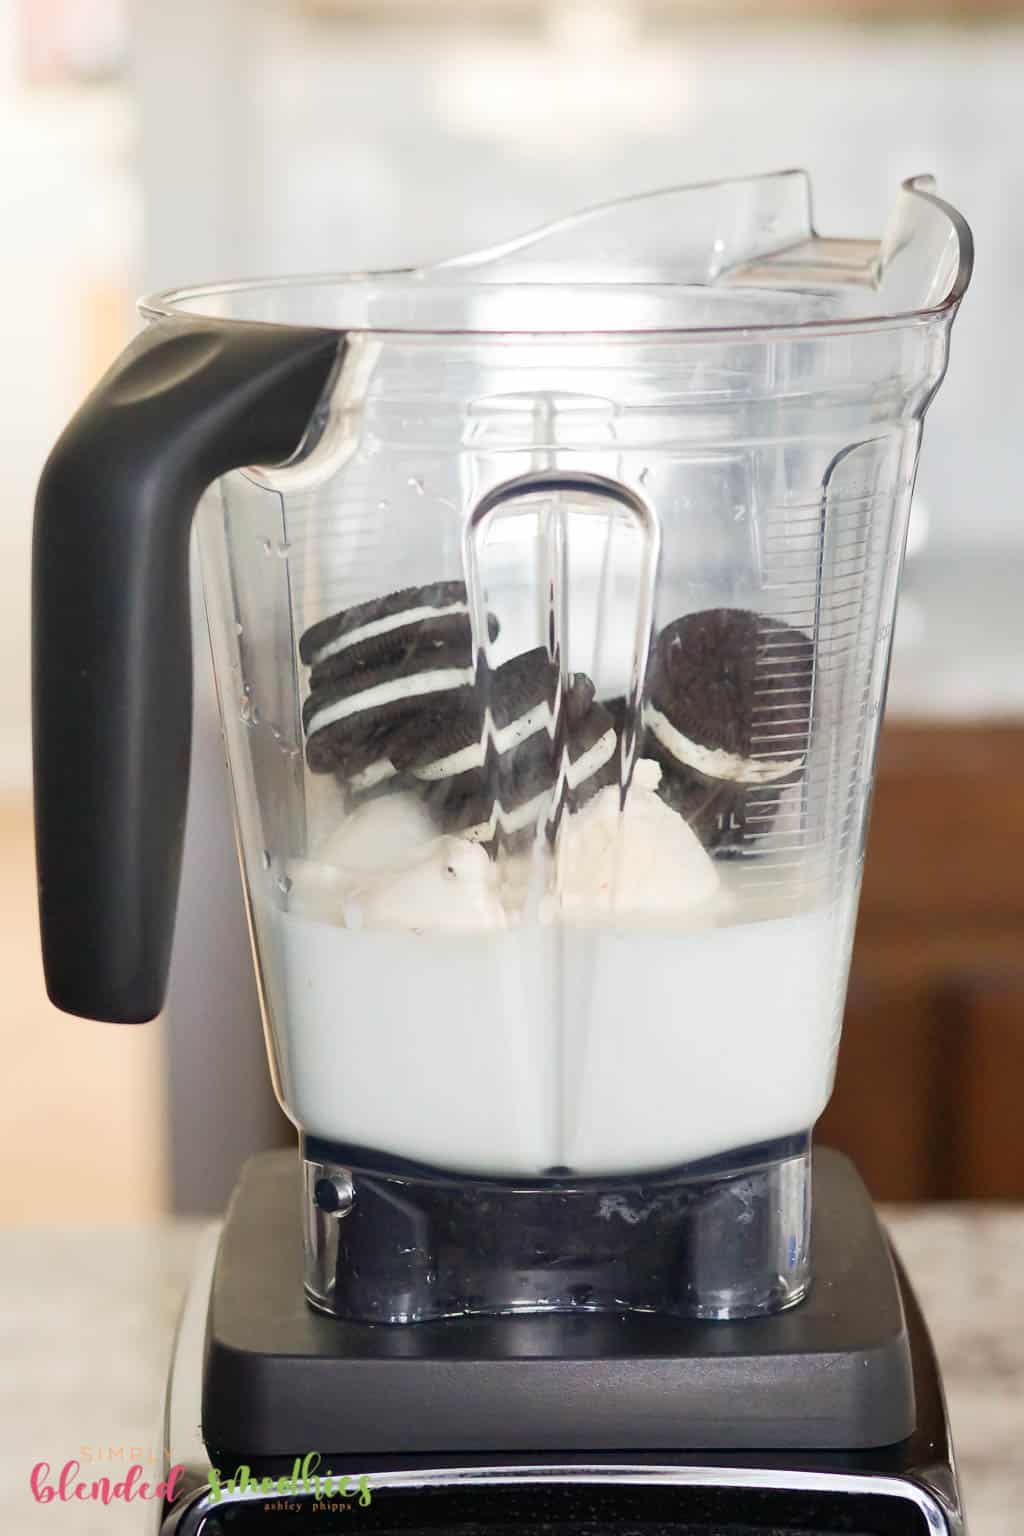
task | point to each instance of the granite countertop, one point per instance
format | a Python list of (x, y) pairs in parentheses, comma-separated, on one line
[(86, 1320)]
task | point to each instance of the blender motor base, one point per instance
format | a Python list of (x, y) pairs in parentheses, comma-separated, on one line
[(832, 1373), (389, 1241)]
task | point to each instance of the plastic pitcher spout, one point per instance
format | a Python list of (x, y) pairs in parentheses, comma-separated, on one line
[(726, 256), (757, 232), (678, 235)]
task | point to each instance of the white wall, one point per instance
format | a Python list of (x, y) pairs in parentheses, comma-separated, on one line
[(354, 146), (69, 222)]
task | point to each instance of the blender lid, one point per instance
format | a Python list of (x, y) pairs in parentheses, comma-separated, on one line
[(731, 256)]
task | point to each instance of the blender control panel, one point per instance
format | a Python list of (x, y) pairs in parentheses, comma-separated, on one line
[(573, 1509)]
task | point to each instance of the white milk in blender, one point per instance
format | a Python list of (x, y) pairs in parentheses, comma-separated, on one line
[(602, 1049)]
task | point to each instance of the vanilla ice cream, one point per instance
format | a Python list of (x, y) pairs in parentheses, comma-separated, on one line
[(640, 861)]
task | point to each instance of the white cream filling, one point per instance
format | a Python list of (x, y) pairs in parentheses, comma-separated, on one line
[(377, 772), (592, 760), (504, 738), (508, 821), (411, 687), (383, 627), (715, 763)]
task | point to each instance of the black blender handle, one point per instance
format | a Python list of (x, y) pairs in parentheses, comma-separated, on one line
[(189, 400)]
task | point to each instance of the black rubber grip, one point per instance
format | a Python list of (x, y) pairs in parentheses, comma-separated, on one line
[(112, 659)]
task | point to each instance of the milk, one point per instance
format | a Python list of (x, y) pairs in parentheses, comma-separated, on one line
[(602, 1049)]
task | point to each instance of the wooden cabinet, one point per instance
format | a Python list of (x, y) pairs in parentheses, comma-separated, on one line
[(929, 1096)]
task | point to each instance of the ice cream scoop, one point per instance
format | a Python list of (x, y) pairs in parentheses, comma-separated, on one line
[(379, 836), (451, 887), (374, 842), (640, 862)]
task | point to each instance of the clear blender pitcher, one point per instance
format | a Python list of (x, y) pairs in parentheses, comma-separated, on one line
[(550, 593)]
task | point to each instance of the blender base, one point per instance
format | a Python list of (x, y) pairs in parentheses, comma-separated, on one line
[(280, 1379), (390, 1241)]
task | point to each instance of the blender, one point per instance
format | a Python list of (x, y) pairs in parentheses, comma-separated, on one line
[(550, 592)]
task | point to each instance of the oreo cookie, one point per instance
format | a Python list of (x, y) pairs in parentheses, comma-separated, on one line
[(727, 715), (400, 629), (517, 701), (372, 666), (498, 745), (593, 760), (530, 783), (351, 722)]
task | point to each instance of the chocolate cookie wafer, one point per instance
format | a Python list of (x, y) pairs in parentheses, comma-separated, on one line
[(401, 628), (372, 666), (515, 702), (351, 722), (727, 715)]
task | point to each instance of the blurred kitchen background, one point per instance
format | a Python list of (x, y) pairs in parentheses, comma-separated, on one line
[(144, 143)]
